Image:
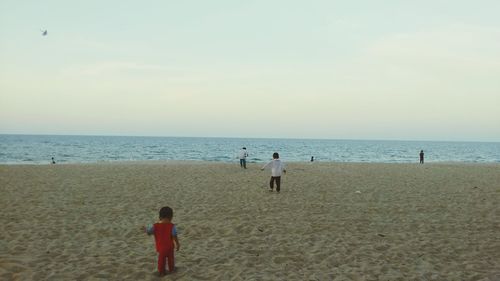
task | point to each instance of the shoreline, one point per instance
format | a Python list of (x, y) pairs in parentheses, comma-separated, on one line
[(235, 162)]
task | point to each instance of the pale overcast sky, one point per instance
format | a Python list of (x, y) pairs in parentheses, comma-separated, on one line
[(413, 70)]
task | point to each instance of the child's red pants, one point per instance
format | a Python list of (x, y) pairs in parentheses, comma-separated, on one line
[(162, 259)]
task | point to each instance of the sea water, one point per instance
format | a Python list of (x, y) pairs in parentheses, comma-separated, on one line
[(39, 149)]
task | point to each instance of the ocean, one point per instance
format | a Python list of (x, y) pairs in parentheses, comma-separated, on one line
[(39, 149)]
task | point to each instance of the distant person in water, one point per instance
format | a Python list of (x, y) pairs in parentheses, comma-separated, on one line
[(243, 157), (421, 157), (312, 158), (53, 161), (277, 167)]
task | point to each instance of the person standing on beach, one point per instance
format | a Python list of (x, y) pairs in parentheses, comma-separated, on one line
[(243, 157), (421, 157), (165, 234), (277, 168)]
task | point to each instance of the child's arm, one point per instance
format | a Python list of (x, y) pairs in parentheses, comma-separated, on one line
[(150, 229), (174, 237), (177, 244), (265, 166)]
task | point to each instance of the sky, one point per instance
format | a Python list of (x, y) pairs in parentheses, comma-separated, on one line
[(402, 70)]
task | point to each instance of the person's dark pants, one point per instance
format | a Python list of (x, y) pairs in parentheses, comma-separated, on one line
[(421, 160), (278, 183), (243, 163)]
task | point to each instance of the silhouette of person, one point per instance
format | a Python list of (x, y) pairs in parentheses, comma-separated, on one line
[(312, 158), (421, 157)]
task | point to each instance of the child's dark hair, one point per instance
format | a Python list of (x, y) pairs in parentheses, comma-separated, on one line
[(166, 213), (276, 155)]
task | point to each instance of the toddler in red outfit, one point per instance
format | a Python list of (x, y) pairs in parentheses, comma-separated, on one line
[(165, 239)]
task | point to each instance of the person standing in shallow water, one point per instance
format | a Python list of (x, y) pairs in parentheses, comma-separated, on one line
[(421, 157)]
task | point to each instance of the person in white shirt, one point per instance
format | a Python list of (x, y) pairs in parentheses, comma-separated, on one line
[(243, 157), (277, 168)]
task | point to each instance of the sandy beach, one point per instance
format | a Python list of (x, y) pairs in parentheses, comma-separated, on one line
[(331, 221)]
